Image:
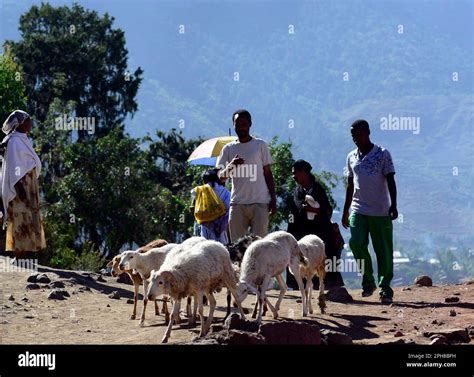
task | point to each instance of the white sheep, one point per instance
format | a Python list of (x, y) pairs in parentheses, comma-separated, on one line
[(268, 258), (204, 268), (183, 247), (313, 249), (144, 263)]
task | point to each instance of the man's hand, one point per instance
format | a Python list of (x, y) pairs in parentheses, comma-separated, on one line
[(272, 206), (308, 208), (237, 160), (393, 212), (345, 219)]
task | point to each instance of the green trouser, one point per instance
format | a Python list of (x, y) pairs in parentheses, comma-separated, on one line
[(380, 229)]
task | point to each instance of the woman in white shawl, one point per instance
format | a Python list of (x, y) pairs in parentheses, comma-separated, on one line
[(20, 194)]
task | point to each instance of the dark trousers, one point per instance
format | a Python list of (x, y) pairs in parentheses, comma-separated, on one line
[(333, 278)]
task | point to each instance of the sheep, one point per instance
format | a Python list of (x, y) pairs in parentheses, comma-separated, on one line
[(237, 249), (182, 247), (268, 258), (204, 268), (135, 277), (144, 263), (313, 249)]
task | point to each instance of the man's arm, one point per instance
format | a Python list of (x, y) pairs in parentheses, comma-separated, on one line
[(392, 189), (267, 173), (347, 204)]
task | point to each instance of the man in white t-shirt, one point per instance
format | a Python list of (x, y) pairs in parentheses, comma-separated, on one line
[(247, 162)]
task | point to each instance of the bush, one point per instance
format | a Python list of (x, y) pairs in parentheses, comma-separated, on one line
[(89, 259), (64, 258)]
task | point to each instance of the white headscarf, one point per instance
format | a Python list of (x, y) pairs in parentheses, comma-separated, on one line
[(19, 158), (14, 120)]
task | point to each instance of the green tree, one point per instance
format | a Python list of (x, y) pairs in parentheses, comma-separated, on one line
[(74, 54), (12, 89)]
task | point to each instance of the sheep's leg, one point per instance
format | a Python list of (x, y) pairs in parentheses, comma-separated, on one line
[(283, 289), (212, 306), (194, 313), (295, 270), (229, 299), (262, 297), (157, 309), (237, 301), (308, 291), (165, 309), (254, 313), (136, 287), (174, 313), (322, 296), (272, 308), (145, 301), (198, 298), (188, 307)]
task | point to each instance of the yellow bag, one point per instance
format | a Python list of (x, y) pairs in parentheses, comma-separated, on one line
[(208, 206)]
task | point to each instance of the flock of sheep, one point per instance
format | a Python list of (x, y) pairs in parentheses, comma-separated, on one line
[(197, 268)]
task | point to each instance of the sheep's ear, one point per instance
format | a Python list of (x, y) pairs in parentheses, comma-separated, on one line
[(110, 264)]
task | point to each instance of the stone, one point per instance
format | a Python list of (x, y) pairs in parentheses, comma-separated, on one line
[(335, 337), (11, 298), (398, 334), (439, 340), (124, 279), (290, 332), (56, 284), (216, 328), (451, 299), (43, 278), (339, 294), (58, 294), (452, 313), (32, 278), (84, 289), (115, 295), (239, 337), (234, 322), (24, 299), (29, 316), (406, 289), (101, 279), (32, 286), (130, 301), (452, 335), (423, 281)]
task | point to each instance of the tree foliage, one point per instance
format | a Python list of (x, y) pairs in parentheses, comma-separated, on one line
[(12, 89), (74, 54)]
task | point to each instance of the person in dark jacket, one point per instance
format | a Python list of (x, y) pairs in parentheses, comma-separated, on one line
[(300, 225)]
